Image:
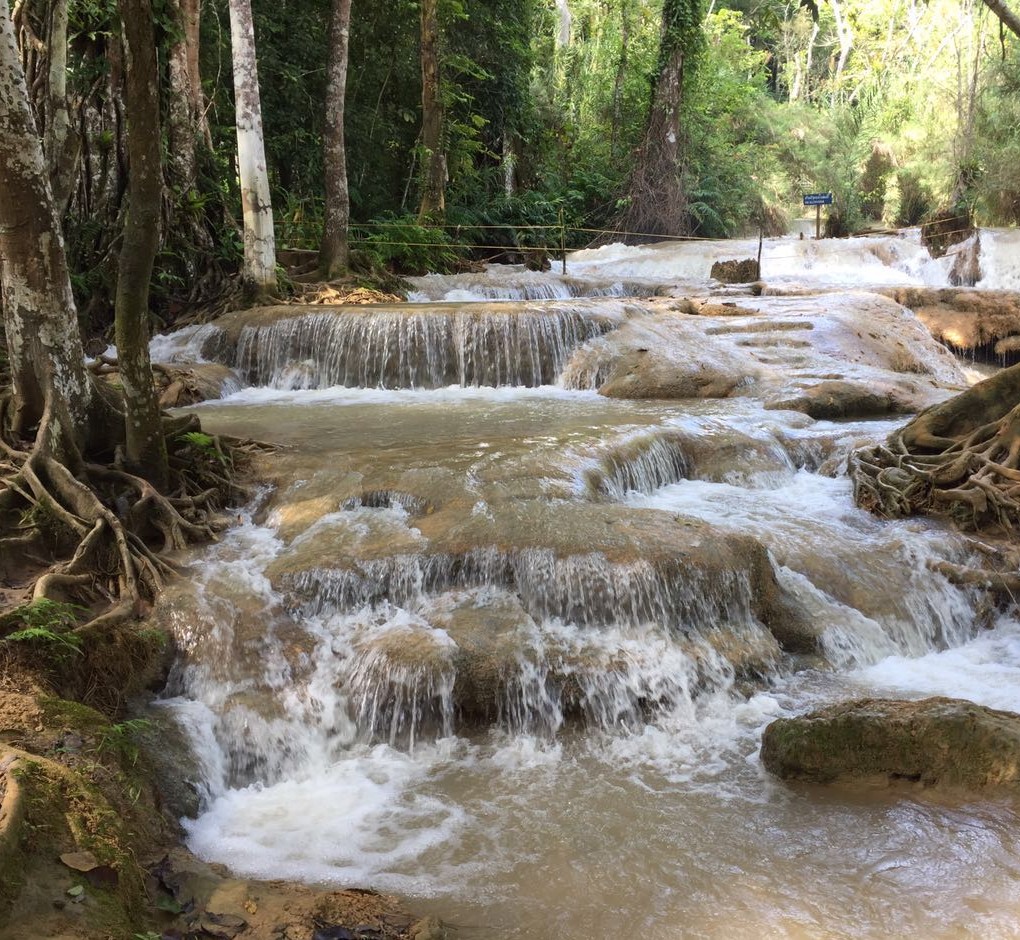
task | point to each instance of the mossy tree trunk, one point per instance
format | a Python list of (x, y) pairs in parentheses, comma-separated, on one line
[(333, 252), (259, 272), (144, 442), (52, 392), (657, 198), (433, 196)]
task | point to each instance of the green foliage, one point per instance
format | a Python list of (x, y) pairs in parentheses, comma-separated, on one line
[(205, 444), (682, 31), (409, 248), (121, 739), (996, 188), (533, 128), (44, 624)]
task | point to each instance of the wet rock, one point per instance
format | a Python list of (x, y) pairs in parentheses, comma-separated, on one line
[(585, 563), (649, 374), (736, 271), (966, 269), (171, 758), (708, 308), (652, 358), (221, 926), (947, 227), (492, 632), (180, 385), (779, 353), (936, 742), (837, 400)]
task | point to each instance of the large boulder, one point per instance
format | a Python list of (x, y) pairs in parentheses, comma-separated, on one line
[(937, 742)]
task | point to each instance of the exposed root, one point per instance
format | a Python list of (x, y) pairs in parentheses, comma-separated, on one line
[(959, 459), (112, 530)]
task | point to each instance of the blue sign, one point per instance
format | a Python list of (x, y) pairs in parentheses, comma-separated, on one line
[(818, 199)]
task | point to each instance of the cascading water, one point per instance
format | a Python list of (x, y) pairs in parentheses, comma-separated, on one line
[(510, 650), (406, 349)]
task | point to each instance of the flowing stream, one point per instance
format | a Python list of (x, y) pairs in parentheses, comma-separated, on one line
[(506, 646)]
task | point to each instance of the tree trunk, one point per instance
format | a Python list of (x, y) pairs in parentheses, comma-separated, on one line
[(186, 119), (183, 110), (621, 73), (333, 253), (259, 274), (566, 20), (52, 390), (845, 36), (58, 144), (1006, 16), (657, 198), (433, 198), (145, 444)]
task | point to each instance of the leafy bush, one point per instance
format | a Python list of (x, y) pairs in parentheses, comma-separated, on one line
[(408, 248), (46, 624)]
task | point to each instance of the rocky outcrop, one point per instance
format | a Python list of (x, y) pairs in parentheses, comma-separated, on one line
[(848, 356), (936, 742), (969, 320), (736, 271)]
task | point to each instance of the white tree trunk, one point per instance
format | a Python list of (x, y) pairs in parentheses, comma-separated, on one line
[(259, 237), (51, 387), (845, 36), (566, 21)]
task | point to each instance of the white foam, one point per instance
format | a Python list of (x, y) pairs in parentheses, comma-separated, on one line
[(366, 819), (1000, 259), (986, 670), (340, 396), (789, 261), (184, 345)]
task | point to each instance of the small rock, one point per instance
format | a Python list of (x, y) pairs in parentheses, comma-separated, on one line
[(736, 271), (430, 928), (80, 861), (222, 926)]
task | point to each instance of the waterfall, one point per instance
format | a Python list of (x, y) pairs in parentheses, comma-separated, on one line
[(419, 349), (490, 645)]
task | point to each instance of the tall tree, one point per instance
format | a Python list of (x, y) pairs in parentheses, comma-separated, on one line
[(621, 73), (433, 196), (657, 199), (259, 274), (333, 253), (58, 144), (52, 392), (186, 120), (145, 444)]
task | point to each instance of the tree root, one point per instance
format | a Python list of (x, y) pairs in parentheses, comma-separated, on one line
[(960, 459), (115, 530)]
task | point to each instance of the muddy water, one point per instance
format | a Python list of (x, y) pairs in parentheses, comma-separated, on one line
[(503, 650)]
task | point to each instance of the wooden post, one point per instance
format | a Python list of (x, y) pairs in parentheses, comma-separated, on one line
[(563, 243), (818, 222), (761, 238)]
